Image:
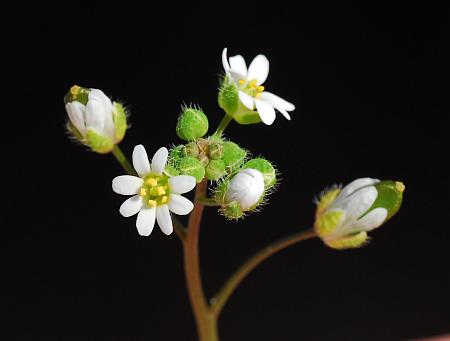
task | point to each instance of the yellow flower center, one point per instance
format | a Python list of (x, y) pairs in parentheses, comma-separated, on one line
[(251, 87), (156, 190)]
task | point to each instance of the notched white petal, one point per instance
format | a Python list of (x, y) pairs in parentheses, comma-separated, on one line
[(182, 183), (146, 221), (164, 219), (226, 65), (259, 69), (180, 205), (237, 64), (140, 160), (126, 184), (131, 206), (266, 111), (277, 101), (247, 100), (159, 160)]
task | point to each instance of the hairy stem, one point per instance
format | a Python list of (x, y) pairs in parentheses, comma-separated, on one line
[(221, 298)]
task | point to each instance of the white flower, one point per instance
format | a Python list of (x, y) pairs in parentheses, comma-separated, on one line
[(344, 217), (246, 188), (96, 115), (251, 91), (155, 193)]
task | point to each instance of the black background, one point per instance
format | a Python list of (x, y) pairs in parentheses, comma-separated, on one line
[(371, 90)]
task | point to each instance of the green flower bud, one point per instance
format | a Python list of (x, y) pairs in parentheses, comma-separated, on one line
[(233, 155), (192, 149), (266, 169), (170, 170), (94, 120), (191, 166), (215, 151), (215, 170), (228, 98), (192, 124)]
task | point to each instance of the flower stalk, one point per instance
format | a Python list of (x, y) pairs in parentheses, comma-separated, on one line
[(122, 159)]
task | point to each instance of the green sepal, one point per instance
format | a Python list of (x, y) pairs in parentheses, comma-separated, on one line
[(215, 170), (266, 169), (326, 223), (232, 210), (99, 143), (246, 116), (228, 97), (390, 197), (120, 121), (350, 242)]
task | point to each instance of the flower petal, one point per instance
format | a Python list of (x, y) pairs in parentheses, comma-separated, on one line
[(238, 65), (95, 116), (278, 102), (146, 221), (140, 161), (182, 183), (358, 203), (131, 206), (258, 69), (164, 219), (180, 205), (355, 185), (159, 160), (371, 220), (75, 111), (247, 100), (266, 111), (285, 114), (126, 184), (99, 95), (226, 65)]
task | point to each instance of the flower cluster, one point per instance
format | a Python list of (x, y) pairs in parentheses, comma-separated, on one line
[(241, 183)]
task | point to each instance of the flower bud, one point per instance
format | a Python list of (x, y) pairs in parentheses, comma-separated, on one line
[(344, 216), (192, 149), (241, 193), (233, 155), (215, 170), (215, 151), (266, 169), (192, 124), (94, 120), (189, 165)]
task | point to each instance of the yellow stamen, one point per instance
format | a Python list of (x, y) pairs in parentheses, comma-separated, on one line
[(241, 81), (143, 192), (258, 95), (152, 203), (74, 90), (152, 182), (253, 83), (164, 199), (399, 186), (260, 88), (166, 187)]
